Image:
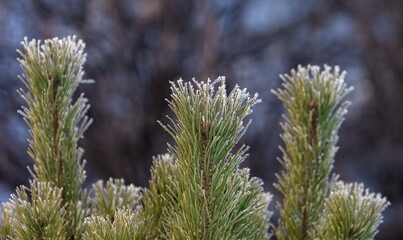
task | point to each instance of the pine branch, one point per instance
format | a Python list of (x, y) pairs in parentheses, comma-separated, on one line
[(313, 99), (351, 212), (112, 196), (125, 226), (208, 125), (7, 219), (40, 215), (52, 72), (160, 195)]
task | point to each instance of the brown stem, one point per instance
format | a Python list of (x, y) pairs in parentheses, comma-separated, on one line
[(56, 154), (55, 128), (206, 176), (351, 231), (313, 139), (40, 233)]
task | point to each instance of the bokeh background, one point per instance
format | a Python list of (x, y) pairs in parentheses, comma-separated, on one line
[(135, 47)]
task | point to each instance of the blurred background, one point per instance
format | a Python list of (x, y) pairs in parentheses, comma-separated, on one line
[(136, 46)]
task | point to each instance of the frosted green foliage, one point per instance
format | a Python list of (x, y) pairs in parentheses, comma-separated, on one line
[(156, 200), (114, 195), (198, 190), (125, 226), (40, 215), (7, 216), (247, 195), (351, 212), (52, 72), (315, 110), (210, 202)]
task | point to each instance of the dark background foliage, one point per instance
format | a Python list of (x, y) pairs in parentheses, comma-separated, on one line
[(136, 46)]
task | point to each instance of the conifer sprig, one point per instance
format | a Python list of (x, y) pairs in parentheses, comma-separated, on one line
[(7, 219), (40, 215), (160, 196), (124, 226), (52, 72), (315, 110), (314, 206), (114, 195), (210, 202), (351, 212)]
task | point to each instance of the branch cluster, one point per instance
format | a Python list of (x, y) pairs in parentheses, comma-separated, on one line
[(197, 190)]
